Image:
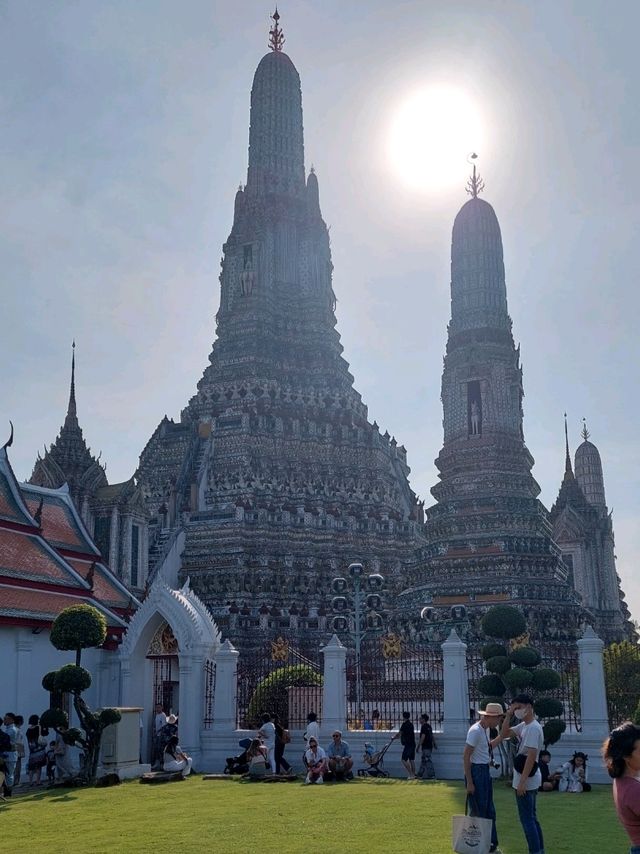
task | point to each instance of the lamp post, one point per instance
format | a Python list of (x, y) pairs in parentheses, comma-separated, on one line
[(346, 606)]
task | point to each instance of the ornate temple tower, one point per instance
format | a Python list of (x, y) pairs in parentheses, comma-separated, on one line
[(274, 470), (583, 529), (489, 537)]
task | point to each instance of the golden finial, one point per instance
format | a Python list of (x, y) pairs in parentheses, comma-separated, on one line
[(276, 37), (475, 184)]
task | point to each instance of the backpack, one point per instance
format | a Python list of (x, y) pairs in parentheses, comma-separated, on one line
[(5, 742)]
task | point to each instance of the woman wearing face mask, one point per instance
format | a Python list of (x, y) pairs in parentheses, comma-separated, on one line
[(528, 733)]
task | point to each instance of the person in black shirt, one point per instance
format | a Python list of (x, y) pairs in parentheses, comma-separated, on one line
[(407, 736), (426, 745)]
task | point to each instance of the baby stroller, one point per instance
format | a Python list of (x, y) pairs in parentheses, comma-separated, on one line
[(239, 764), (374, 760)]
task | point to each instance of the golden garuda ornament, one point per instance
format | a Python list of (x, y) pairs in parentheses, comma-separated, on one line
[(279, 650), (391, 646)]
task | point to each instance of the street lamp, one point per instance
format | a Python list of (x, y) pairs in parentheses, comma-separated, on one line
[(349, 609)]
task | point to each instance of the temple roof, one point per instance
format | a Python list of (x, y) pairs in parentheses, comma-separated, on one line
[(61, 523), (25, 603), (68, 459), (12, 506)]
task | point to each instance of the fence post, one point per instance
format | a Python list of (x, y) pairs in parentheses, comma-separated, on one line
[(334, 689), (226, 690), (456, 686), (593, 694)]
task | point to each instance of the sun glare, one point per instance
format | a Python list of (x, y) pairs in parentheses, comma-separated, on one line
[(431, 136)]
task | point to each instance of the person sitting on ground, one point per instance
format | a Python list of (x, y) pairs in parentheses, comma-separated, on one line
[(316, 762), (549, 778), (339, 756), (258, 760), (312, 731), (175, 759), (407, 736), (573, 774)]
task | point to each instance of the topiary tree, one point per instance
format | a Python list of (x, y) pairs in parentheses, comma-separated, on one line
[(270, 694), (622, 677), (518, 669), (77, 628)]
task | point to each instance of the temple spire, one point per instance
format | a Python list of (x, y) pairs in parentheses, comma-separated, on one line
[(475, 184), (276, 36), (567, 462), (71, 409)]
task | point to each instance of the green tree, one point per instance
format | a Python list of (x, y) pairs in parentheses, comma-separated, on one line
[(270, 694), (77, 628), (622, 678)]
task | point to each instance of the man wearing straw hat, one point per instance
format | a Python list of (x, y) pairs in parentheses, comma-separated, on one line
[(478, 758)]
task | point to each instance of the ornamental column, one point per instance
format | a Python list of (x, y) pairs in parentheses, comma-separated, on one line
[(334, 689), (456, 686), (593, 695), (225, 697)]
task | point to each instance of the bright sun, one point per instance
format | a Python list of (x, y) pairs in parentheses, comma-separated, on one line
[(431, 136)]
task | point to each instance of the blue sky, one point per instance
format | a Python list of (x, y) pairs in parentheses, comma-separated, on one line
[(124, 136)]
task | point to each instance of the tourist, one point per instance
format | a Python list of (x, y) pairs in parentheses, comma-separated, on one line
[(175, 759), (159, 722), (51, 762), (526, 781), (426, 746), (267, 733), (315, 761), (9, 750), (339, 757), (21, 749), (477, 759), (621, 753), (37, 745), (282, 739), (407, 736), (312, 731), (549, 779), (168, 731), (257, 760), (573, 774), (62, 751)]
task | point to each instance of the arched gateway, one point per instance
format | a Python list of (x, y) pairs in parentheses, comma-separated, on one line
[(168, 654)]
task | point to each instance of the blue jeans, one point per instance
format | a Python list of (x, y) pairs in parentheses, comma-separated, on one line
[(481, 802), (635, 849), (529, 821)]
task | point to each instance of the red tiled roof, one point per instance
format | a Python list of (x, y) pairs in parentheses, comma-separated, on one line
[(27, 603), (25, 556), (58, 525), (105, 586), (8, 507)]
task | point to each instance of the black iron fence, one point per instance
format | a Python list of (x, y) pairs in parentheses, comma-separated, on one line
[(559, 657), (209, 692), (279, 680), (394, 677)]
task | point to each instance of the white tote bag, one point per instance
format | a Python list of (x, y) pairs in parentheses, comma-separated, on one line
[(471, 835)]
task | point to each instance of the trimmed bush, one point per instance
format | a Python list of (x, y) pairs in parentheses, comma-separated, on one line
[(72, 679), (498, 664), (78, 627), (545, 679), (525, 656), (109, 716), (54, 718), (503, 621), (491, 650), (49, 681), (552, 730), (517, 678), (491, 685), (271, 692), (548, 707), (72, 736)]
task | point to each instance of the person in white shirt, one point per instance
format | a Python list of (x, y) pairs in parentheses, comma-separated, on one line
[(316, 761), (312, 731), (477, 759), (267, 733), (528, 732)]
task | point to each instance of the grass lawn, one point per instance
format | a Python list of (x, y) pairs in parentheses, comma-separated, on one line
[(236, 816)]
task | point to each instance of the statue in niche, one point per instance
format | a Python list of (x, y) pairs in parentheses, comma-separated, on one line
[(248, 275), (475, 418)]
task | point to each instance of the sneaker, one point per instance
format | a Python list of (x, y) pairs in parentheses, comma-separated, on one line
[(319, 780), (307, 780)]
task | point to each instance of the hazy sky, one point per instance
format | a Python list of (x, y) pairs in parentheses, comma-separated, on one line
[(123, 137)]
